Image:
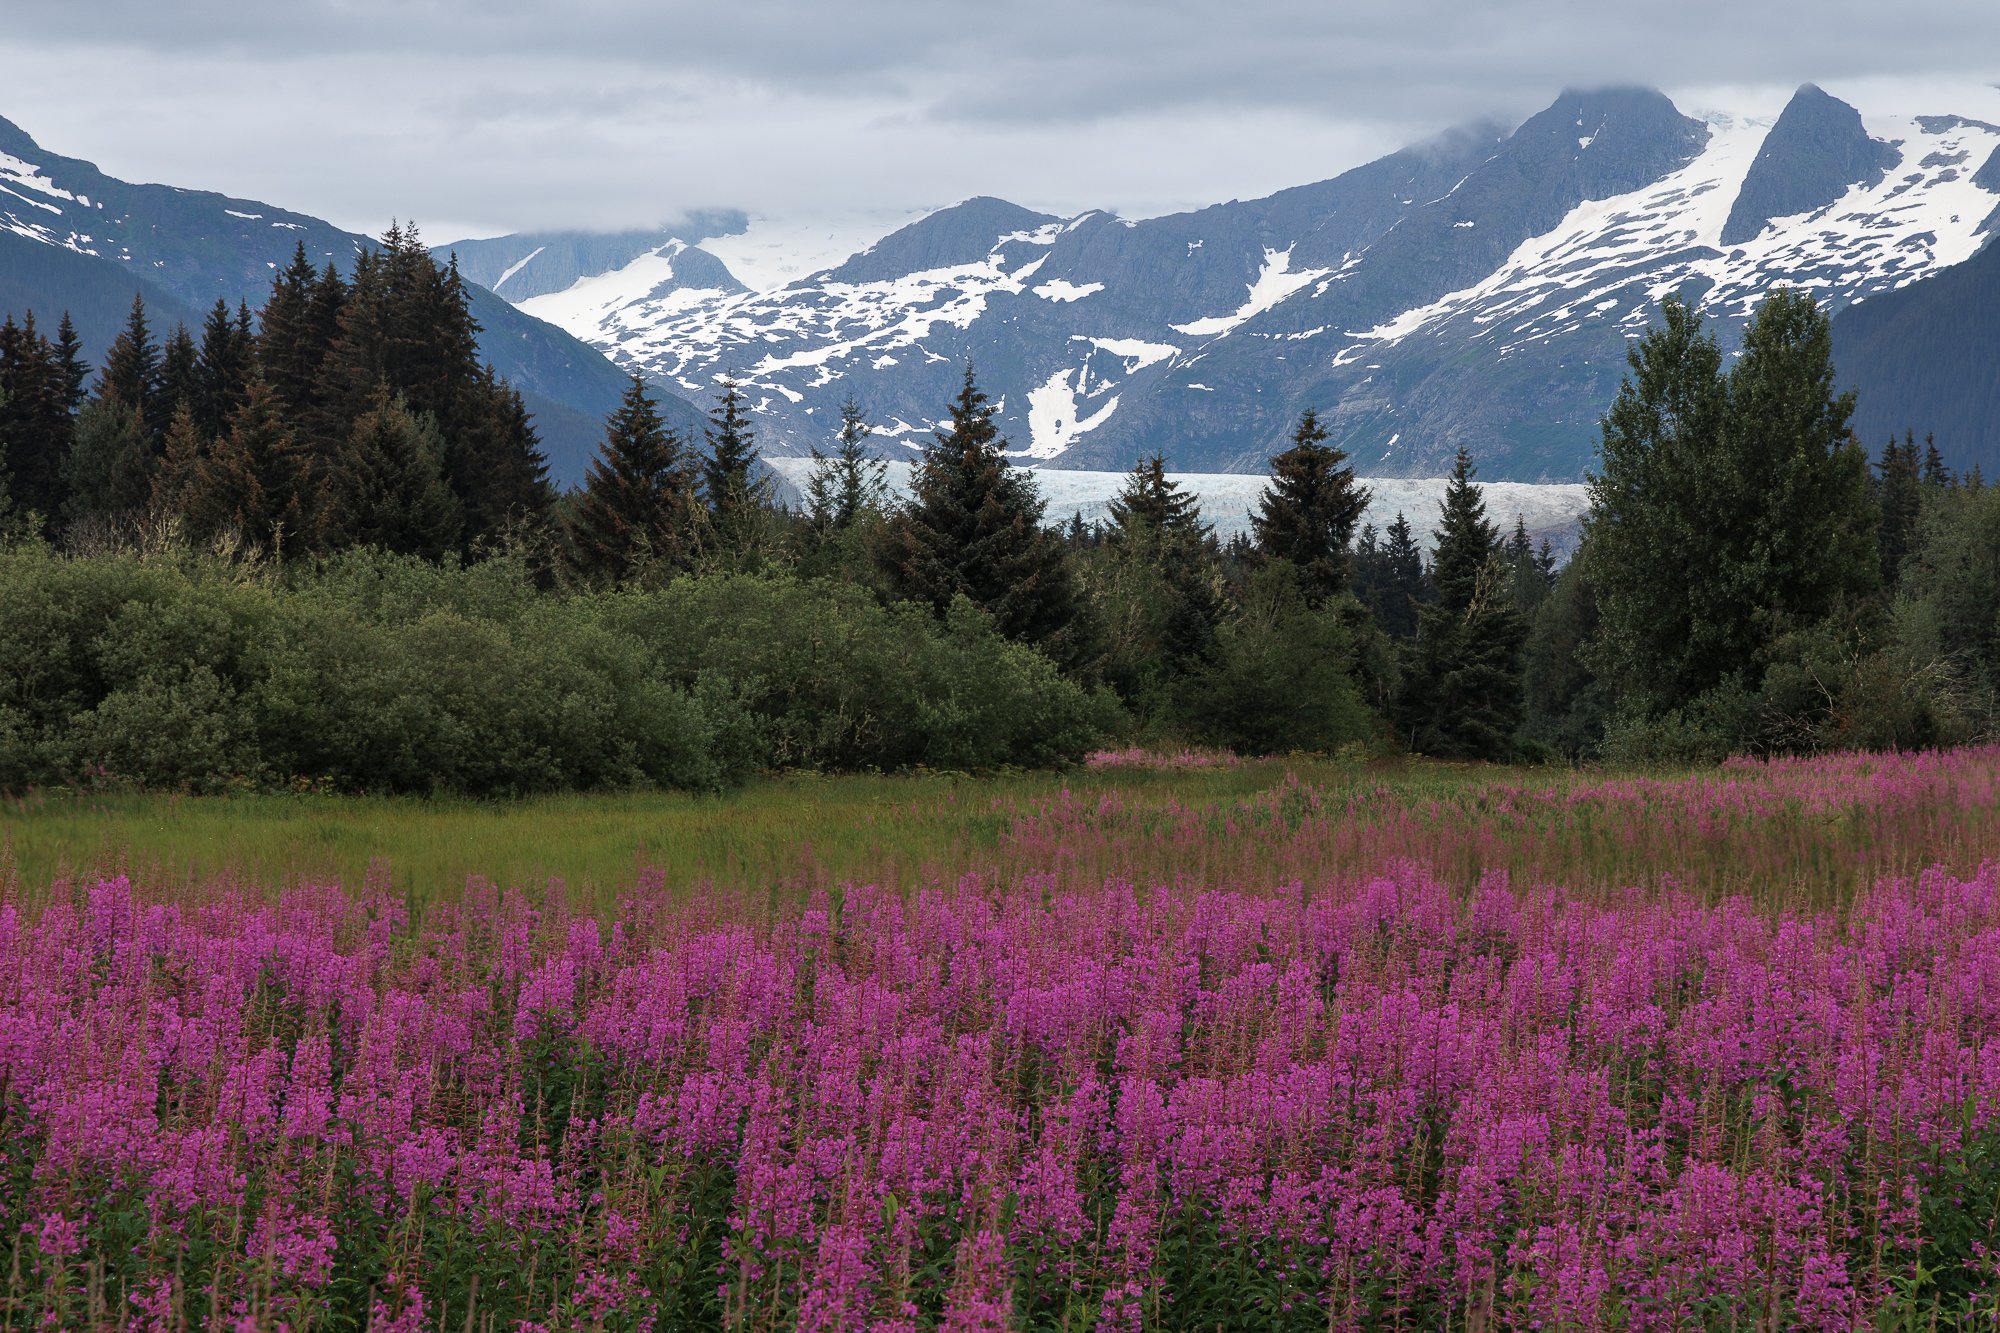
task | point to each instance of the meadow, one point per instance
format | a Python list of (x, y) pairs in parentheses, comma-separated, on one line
[(1162, 1042)]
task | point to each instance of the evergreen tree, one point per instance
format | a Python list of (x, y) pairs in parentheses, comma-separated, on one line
[(1394, 586), (1161, 592), (847, 484), (637, 502), (35, 421), (257, 480), (1935, 472), (180, 461), (1900, 499), (1532, 572), (972, 529), (503, 472), (131, 371), (291, 344), (386, 486), (111, 463), (223, 368), (736, 499), (1461, 689), (1150, 502), (1730, 510), (180, 378), (73, 367), (1307, 515)]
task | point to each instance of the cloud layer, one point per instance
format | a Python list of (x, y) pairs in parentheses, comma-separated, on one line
[(478, 116)]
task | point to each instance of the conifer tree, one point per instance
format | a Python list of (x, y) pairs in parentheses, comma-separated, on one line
[(1163, 588), (73, 368), (385, 487), (291, 345), (1731, 509), (637, 502), (1150, 501), (111, 464), (256, 480), (504, 474), (1308, 514), (972, 528), (35, 420), (735, 498), (1460, 695), (1532, 572), (847, 484), (1900, 500), (132, 365), (1935, 472), (180, 461), (180, 378), (223, 368)]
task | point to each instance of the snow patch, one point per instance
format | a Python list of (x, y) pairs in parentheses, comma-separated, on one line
[(1062, 289), (1275, 282), (517, 266)]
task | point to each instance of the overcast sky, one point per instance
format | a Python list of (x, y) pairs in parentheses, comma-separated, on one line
[(477, 117)]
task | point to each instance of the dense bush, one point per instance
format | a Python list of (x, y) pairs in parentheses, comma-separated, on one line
[(376, 672)]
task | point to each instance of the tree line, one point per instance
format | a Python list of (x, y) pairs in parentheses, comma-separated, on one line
[(1745, 580)]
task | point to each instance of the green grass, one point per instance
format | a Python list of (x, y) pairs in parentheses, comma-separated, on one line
[(773, 832)]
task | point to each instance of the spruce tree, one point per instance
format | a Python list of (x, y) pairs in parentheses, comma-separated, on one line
[(637, 502), (111, 463), (180, 461), (1936, 474), (257, 481), (223, 368), (1150, 501), (1460, 696), (1162, 583), (847, 484), (385, 487), (290, 344), (972, 529), (74, 368), (1531, 571), (1900, 498), (1394, 586), (35, 420), (180, 378), (1308, 514), (132, 365), (505, 475), (736, 499)]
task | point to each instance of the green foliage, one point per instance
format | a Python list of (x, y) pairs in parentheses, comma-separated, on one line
[(1307, 516), (972, 529), (1285, 672), (111, 464), (637, 504), (1732, 510), (384, 673), (386, 485), (836, 681), (1389, 577), (1460, 693)]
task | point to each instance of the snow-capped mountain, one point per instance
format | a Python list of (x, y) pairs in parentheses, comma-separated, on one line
[(1478, 289), (74, 239)]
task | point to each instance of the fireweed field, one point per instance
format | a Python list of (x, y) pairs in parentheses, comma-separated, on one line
[(1172, 1042)]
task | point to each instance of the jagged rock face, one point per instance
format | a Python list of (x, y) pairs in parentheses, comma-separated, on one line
[(1479, 290), (1816, 152)]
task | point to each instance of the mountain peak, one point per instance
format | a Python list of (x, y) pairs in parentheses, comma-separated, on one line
[(1814, 154), (964, 233)]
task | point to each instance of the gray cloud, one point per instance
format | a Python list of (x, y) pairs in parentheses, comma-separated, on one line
[(487, 115)]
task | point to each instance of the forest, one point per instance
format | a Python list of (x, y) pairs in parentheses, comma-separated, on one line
[(316, 546)]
